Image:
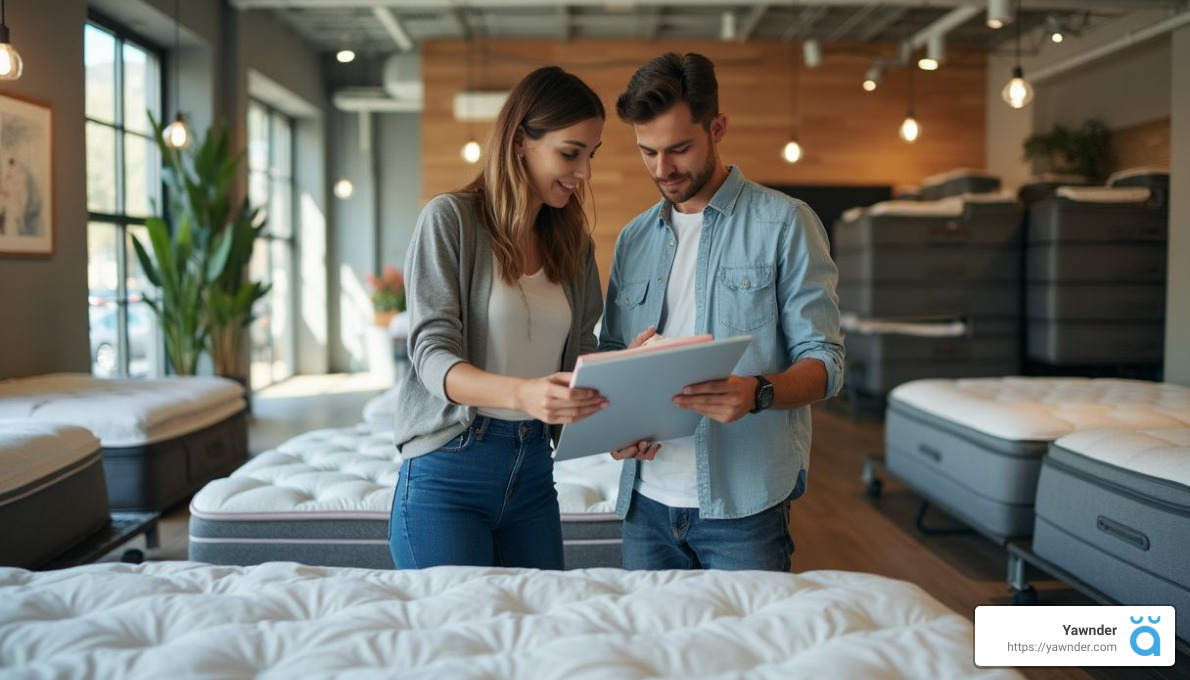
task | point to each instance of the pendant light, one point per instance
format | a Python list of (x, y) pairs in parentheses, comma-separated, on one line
[(910, 128), (1018, 92), (11, 64), (471, 151), (177, 134), (792, 152)]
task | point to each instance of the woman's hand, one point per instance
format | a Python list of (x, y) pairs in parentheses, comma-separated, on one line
[(642, 450), (643, 337), (551, 400)]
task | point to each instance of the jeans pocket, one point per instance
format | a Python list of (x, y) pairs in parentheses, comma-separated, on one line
[(460, 443)]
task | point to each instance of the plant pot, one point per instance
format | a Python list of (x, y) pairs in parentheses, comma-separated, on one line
[(382, 319)]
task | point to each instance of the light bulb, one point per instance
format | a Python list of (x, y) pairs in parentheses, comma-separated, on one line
[(177, 135), (869, 85), (11, 64), (910, 130), (1018, 92), (1057, 36), (343, 189), (792, 152), (999, 13), (345, 56), (927, 64), (872, 78), (471, 151)]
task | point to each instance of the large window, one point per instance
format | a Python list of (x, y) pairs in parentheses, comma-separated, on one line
[(123, 84), (270, 186)]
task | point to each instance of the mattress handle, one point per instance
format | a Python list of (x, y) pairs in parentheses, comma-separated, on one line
[(930, 452), (1123, 532)]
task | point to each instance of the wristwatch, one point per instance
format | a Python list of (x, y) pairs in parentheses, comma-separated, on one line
[(764, 394)]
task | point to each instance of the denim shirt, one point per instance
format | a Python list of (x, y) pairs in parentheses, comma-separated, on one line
[(763, 269)]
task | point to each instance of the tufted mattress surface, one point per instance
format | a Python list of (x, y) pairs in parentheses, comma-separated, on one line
[(282, 620), (1158, 454), (123, 413), (1044, 409)]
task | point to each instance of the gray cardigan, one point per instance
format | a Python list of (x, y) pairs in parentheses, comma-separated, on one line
[(448, 282)]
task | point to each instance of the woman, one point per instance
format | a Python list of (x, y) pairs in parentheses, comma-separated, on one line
[(503, 295)]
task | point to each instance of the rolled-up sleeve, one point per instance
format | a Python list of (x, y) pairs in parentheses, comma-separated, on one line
[(808, 302), (432, 294)]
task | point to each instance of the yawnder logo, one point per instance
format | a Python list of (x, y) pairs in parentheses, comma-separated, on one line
[(1155, 648)]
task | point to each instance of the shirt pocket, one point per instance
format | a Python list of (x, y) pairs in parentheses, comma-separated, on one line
[(632, 294), (747, 298)]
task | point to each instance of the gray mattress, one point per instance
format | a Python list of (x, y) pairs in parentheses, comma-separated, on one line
[(160, 475), (981, 225), (1123, 532), (48, 516), (960, 185), (1071, 343), (1090, 302), (879, 363), (1056, 219), (921, 265), (987, 482), (1096, 263), (870, 300)]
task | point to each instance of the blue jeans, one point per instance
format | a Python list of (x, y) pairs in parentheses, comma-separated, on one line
[(486, 498), (657, 536)]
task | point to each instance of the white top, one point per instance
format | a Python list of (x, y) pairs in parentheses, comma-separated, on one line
[(672, 477), (1105, 194), (31, 451), (1161, 454), (1043, 409), (936, 328), (526, 332), (286, 620)]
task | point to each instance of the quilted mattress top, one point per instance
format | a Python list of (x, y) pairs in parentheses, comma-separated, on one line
[(1044, 409), (349, 473), (31, 451), (122, 412), (283, 620), (1161, 454)]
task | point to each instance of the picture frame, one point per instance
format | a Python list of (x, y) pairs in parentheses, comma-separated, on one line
[(26, 178)]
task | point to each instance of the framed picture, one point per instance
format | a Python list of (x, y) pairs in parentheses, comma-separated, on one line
[(26, 186)]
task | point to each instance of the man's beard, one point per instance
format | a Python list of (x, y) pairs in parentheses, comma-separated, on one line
[(697, 182)]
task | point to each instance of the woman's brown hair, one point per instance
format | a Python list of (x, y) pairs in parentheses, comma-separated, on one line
[(545, 100)]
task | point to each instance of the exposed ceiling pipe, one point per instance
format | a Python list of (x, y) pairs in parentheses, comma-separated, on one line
[(359, 99), (1078, 5), (392, 24), (1138, 36)]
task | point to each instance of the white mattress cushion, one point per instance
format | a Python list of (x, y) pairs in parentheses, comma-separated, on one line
[(921, 328), (381, 409), (1163, 454), (945, 207), (1104, 194), (283, 620), (352, 472), (1044, 409), (1129, 173), (31, 450), (123, 412)]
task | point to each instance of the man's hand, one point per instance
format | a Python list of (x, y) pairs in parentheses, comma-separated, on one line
[(642, 450), (642, 337), (724, 401)]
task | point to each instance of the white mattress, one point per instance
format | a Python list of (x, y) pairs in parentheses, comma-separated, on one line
[(1044, 409), (31, 450), (1136, 172), (1162, 454), (380, 410), (351, 473), (1104, 194), (123, 412), (936, 328), (282, 620)]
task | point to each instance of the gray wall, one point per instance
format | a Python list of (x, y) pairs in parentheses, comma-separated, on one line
[(1177, 315), (43, 300)]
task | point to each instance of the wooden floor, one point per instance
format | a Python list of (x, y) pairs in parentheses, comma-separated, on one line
[(835, 525)]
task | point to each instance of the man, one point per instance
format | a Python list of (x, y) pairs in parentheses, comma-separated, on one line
[(721, 255)]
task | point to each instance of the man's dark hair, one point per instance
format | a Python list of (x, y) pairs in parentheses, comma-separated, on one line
[(667, 80)]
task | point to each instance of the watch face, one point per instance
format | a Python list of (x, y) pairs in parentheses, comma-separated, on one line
[(766, 397)]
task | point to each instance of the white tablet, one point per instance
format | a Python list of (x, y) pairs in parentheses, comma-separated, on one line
[(639, 386)]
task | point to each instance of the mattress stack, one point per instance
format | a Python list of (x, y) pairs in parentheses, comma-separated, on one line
[(1046, 185), (52, 491), (325, 498), (1095, 275), (975, 447), (906, 263), (1113, 510), (957, 183)]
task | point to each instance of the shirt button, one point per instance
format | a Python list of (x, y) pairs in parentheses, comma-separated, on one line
[(747, 283), (658, 279), (671, 243)]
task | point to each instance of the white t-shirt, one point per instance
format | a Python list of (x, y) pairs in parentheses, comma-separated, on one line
[(672, 477), (526, 335)]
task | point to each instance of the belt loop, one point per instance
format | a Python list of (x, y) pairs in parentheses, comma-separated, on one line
[(481, 427), (545, 431)]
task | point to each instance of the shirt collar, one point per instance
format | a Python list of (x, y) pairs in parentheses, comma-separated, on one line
[(723, 201)]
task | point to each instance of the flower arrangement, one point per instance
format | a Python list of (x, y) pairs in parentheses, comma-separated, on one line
[(388, 290)]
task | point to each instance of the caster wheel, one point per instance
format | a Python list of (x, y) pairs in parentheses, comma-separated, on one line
[(875, 487), (1027, 596), (133, 556)]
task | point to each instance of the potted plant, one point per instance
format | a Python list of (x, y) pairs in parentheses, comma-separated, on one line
[(388, 295), (1064, 150), (206, 300)]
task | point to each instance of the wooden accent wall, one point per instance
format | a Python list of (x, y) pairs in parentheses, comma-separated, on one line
[(1144, 145), (849, 136)]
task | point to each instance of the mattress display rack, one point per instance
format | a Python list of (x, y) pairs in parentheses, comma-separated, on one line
[(124, 527), (872, 474)]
